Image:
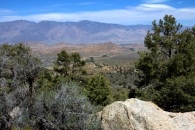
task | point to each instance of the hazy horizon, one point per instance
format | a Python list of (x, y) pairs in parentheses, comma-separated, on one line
[(139, 12)]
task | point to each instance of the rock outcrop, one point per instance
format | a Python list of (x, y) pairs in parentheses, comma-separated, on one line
[(134, 114)]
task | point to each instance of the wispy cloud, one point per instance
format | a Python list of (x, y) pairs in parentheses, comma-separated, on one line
[(153, 7), (180, 2), (57, 5), (142, 14), (154, 1), (5, 11), (86, 3)]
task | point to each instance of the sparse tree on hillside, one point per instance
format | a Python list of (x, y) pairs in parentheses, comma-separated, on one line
[(77, 65), (62, 65), (69, 65)]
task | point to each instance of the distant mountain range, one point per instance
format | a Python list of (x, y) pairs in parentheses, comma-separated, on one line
[(83, 32)]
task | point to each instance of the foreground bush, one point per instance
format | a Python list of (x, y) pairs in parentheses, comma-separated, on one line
[(69, 108), (63, 109)]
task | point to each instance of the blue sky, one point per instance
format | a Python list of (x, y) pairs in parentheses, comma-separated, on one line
[(126, 12)]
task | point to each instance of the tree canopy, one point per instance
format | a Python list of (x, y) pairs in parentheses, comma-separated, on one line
[(69, 66), (18, 70), (99, 90), (168, 67)]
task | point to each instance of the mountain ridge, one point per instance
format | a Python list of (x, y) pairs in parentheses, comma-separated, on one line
[(85, 31)]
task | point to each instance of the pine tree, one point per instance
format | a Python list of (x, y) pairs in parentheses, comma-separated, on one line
[(120, 95), (62, 65), (69, 66), (169, 65), (77, 65), (99, 90)]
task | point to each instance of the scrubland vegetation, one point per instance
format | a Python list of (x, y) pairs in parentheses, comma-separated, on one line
[(67, 96)]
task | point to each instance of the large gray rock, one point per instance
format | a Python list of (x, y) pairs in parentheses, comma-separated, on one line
[(134, 114)]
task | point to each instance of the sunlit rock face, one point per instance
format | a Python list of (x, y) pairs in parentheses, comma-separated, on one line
[(134, 114)]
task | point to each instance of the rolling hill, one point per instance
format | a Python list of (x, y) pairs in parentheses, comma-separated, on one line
[(107, 47)]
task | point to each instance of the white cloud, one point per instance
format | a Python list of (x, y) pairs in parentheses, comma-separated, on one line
[(153, 7), (142, 14)]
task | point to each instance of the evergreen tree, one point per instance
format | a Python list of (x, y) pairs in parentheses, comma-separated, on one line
[(19, 70), (62, 65), (69, 66), (99, 90), (169, 65), (120, 95), (77, 65), (162, 44), (46, 80)]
